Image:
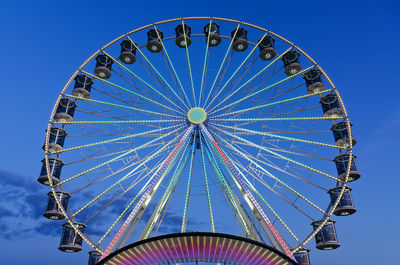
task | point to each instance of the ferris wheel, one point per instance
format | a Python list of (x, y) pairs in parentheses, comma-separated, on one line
[(199, 122)]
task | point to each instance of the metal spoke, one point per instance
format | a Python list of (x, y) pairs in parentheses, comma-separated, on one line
[(274, 119), (142, 122), (131, 164), (146, 83), (134, 183), (278, 155), (236, 71), (131, 226), (123, 106), (274, 166), (268, 205), (272, 176), (271, 104), (222, 63), (275, 135), (249, 80), (247, 192), (188, 63), (147, 193), (127, 90), (116, 139), (167, 194), (261, 180), (189, 185), (205, 65), (118, 157), (262, 90), (231, 197), (125, 176), (126, 209), (151, 65), (207, 189)]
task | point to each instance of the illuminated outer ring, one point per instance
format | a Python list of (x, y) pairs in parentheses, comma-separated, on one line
[(184, 19), (197, 246)]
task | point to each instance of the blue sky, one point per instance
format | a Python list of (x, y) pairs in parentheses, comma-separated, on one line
[(356, 43)]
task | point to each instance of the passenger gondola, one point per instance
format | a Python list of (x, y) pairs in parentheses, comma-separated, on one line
[(267, 48), (345, 206), (239, 39), (212, 34), (65, 110), (154, 38), (103, 66), (326, 238), (341, 135), (82, 87), (52, 210), (291, 60), (314, 82), (331, 107), (71, 241), (128, 52), (183, 33), (56, 139), (342, 162), (55, 166)]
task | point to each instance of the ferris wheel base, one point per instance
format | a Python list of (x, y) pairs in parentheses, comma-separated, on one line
[(197, 247)]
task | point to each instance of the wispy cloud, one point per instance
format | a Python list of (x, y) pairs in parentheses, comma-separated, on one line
[(22, 203)]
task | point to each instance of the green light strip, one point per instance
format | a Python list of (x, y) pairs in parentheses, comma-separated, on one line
[(188, 62), (275, 135), (273, 103), (262, 90), (127, 90), (234, 73), (189, 185), (279, 155), (220, 67), (207, 189), (122, 106), (270, 174)]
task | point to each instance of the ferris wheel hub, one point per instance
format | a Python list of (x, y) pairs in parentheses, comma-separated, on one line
[(197, 115)]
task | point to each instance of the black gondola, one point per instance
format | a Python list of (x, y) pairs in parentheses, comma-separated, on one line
[(345, 206), (341, 135), (342, 162), (314, 81), (302, 256), (153, 41), (128, 52), (183, 33), (65, 110), (56, 139), (103, 66), (267, 48), (82, 87), (71, 241), (326, 238), (213, 31), (291, 60), (55, 166), (53, 211), (240, 40), (330, 106), (94, 257)]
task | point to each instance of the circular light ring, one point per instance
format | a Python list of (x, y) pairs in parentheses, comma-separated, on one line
[(46, 146), (197, 247)]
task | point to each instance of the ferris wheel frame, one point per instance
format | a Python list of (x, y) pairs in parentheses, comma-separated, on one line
[(345, 117)]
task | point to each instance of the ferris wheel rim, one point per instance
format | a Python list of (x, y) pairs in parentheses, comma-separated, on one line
[(346, 119)]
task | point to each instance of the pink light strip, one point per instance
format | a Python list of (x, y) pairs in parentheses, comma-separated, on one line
[(276, 234), (146, 193)]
